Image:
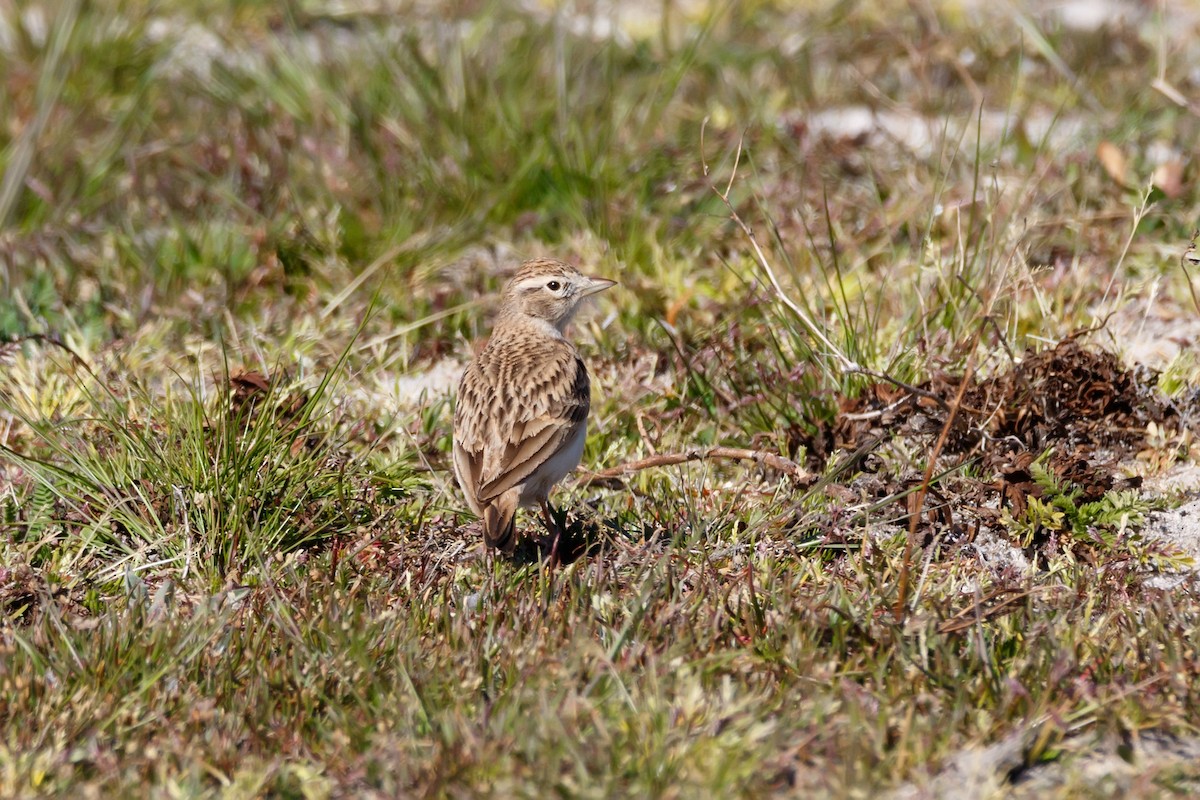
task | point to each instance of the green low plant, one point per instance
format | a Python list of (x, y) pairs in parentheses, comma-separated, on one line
[(1103, 522)]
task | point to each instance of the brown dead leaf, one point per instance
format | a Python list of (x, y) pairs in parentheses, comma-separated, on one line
[(247, 389), (247, 383), (1113, 161), (1168, 176), (675, 307)]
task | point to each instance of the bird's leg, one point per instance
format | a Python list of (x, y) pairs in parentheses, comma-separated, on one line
[(553, 529)]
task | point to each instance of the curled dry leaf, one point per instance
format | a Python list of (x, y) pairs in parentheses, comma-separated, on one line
[(676, 306), (246, 384), (1113, 161), (1168, 177)]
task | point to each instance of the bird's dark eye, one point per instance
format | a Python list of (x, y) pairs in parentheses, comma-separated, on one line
[(553, 286)]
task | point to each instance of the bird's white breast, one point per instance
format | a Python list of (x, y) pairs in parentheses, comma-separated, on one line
[(538, 485)]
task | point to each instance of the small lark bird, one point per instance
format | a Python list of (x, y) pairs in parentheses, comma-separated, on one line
[(521, 415)]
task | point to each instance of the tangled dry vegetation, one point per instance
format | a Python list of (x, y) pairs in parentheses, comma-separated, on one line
[(901, 365)]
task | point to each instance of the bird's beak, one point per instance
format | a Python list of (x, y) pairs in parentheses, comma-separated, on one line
[(595, 286)]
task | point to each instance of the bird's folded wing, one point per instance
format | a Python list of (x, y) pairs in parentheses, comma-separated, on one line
[(526, 431), (526, 452)]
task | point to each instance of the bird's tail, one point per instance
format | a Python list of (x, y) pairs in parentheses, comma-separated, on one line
[(500, 523)]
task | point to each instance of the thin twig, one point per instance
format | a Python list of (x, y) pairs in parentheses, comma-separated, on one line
[(1168, 91), (866, 415), (900, 610), (1099, 326), (883, 376), (986, 607), (762, 457)]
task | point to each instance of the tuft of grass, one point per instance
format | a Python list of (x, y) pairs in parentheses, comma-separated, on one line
[(211, 488)]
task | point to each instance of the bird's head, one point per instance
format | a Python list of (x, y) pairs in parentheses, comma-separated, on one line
[(550, 291)]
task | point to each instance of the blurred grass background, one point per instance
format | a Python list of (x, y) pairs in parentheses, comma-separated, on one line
[(256, 240)]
